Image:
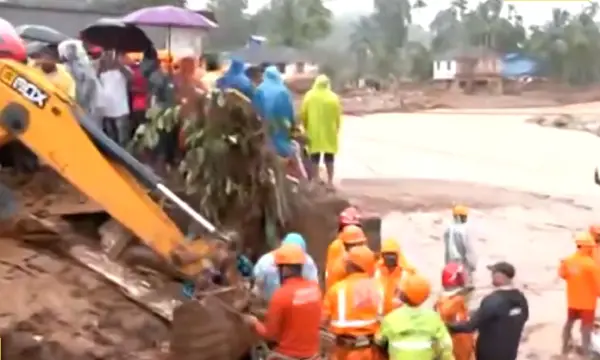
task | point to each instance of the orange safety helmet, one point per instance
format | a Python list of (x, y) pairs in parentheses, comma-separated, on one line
[(352, 234), (290, 254), (349, 216), (415, 288), (362, 257), (584, 239), (460, 210)]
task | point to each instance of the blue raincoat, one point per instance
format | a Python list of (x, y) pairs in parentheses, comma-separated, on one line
[(235, 78), (266, 273), (273, 102)]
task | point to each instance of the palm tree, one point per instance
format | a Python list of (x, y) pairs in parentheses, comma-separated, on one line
[(362, 43)]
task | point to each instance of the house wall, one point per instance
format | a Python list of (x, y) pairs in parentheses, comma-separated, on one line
[(67, 21), (488, 65), (444, 69)]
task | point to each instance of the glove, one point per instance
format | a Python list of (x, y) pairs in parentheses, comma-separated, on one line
[(244, 266), (188, 289)]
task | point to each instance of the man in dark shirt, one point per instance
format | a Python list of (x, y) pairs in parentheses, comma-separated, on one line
[(500, 318)]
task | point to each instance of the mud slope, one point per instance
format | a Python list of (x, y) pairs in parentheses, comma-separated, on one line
[(52, 309), (531, 231)]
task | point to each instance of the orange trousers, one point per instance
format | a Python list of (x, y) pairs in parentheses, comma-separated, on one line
[(344, 353), (464, 346)]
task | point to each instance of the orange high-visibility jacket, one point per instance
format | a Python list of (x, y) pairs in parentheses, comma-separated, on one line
[(354, 305), (582, 274)]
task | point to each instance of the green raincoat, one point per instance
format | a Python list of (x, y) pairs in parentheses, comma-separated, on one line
[(415, 334), (321, 116)]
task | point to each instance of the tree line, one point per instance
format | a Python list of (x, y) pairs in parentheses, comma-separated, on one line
[(566, 46)]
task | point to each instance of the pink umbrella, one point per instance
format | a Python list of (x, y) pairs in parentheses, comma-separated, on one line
[(169, 16)]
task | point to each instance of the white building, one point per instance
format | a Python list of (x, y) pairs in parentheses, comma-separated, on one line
[(467, 63), (445, 68)]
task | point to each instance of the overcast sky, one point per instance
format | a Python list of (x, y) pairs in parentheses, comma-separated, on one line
[(534, 12)]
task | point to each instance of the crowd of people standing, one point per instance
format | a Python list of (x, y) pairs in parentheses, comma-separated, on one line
[(117, 90)]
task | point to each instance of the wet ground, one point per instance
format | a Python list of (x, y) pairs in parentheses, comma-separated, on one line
[(52, 309), (530, 188), (531, 231)]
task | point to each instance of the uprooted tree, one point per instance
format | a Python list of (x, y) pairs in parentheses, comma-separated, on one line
[(233, 178)]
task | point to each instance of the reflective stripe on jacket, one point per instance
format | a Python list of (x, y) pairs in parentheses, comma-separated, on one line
[(354, 305), (415, 334)]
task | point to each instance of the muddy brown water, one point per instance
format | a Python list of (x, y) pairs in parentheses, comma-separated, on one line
[(533, 231)]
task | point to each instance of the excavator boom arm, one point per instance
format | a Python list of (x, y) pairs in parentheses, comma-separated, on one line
[(51, 125)]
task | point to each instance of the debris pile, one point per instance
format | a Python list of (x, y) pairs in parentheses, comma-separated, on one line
[(70, 314), (362, 102), (587, 122)]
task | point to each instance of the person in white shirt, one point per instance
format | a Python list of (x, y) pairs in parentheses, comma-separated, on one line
[(458, 245), (115, 76)]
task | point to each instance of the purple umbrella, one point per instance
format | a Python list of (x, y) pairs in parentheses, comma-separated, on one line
[(169, 16)]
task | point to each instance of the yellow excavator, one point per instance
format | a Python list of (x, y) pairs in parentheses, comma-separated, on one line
[(51, 125), (35, 114), (31, 111)]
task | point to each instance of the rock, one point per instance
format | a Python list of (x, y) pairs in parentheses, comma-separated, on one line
[(587, 123)]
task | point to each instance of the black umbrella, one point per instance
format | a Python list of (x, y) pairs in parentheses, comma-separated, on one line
[(41, 33), (34, 48), (113, 34)]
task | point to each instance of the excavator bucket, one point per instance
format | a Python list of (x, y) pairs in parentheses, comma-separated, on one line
[(202, 330)]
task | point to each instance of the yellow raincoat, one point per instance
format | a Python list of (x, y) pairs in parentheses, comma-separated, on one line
[(321, 116)]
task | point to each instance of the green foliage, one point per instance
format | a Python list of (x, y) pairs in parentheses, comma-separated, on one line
[(566, 46), (297, 23), (234, 25), (227, 166), (160, 120)]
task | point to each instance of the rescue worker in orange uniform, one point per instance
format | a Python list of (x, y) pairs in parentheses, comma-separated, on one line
[(294, 315), (349, 216), (452, 307), (389, 271), (582, 275), (350, 237), (353, 307)]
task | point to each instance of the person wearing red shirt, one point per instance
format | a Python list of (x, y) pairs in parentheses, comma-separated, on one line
[(294, 315), (139, 97)]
